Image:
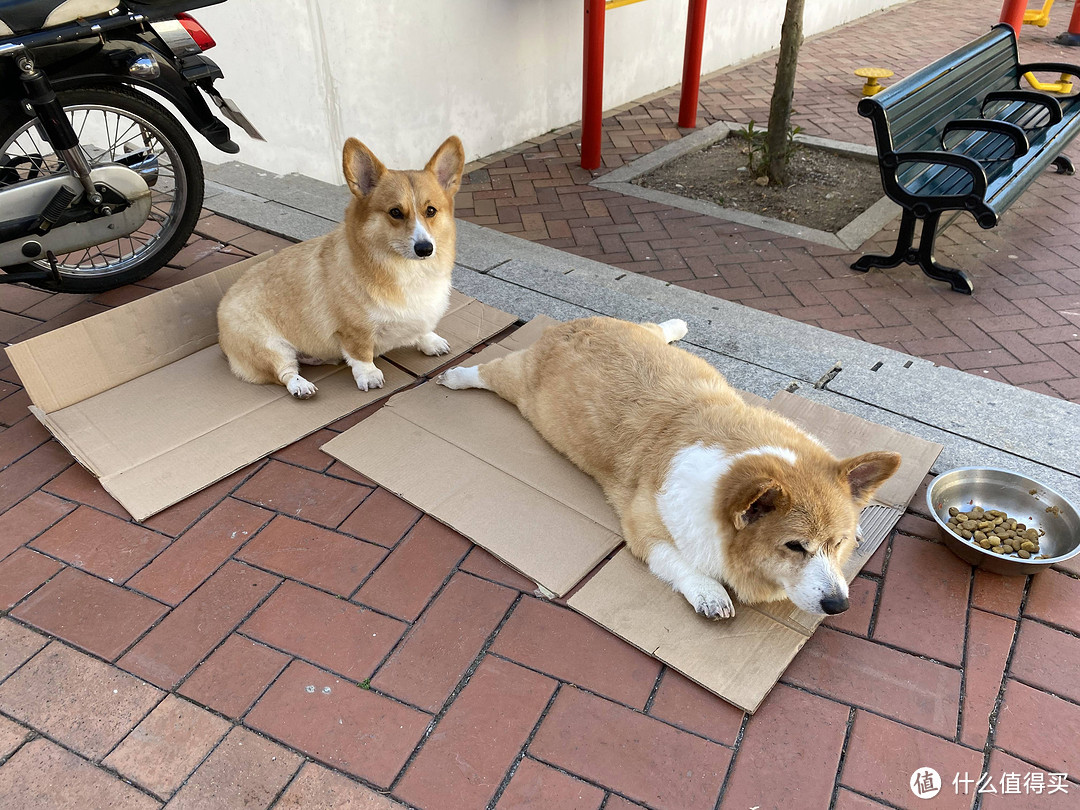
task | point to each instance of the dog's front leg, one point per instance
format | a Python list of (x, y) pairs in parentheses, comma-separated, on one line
[(358, 349), (432, 344), (650, 541), (708, 596)]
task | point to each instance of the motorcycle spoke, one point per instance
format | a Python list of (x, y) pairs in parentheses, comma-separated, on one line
[(85, 118)]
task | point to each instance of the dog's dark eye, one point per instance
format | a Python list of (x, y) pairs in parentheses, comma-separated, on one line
[(396, 213), (431, 211), (795, 545)]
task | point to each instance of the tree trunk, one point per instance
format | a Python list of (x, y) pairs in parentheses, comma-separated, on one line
[(780, 107)]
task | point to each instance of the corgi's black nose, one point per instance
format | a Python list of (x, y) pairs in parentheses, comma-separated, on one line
[(835, 604), (423, 249)]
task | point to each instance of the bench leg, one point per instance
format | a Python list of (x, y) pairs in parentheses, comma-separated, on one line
[(957, 279), (903, 253), (1064, 165), (923, 256)]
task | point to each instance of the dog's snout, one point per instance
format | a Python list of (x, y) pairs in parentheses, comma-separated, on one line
[(423, 249), (835, 603)]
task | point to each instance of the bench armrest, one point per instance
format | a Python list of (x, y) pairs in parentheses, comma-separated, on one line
[(1015, 133), (893, 160), (1051, 67), (1028, 97)]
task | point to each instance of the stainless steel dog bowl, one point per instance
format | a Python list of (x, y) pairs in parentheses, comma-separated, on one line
[(1027, 501)]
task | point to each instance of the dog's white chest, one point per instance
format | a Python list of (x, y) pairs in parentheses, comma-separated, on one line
[(686, 505), (402, 325)]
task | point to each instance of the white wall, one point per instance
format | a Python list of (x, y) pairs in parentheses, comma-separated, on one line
[(401, 75)]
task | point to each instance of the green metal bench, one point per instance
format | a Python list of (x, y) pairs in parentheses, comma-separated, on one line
[(963, 134)]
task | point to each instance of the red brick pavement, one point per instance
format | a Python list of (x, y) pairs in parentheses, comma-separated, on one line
[(226, 654), (229, 653), (1022, 326)]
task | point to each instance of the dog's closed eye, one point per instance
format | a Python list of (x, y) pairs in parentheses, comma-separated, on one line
[(795, 545)]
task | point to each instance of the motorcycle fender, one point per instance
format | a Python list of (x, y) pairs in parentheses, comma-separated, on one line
[(107, 65)]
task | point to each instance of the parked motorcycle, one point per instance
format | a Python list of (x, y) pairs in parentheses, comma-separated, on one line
[(100, 185)]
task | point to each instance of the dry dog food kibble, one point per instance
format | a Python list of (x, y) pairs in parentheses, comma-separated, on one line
[(995, 531)]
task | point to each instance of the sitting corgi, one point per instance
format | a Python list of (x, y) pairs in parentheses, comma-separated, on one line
[(712, 493), (379, 280)]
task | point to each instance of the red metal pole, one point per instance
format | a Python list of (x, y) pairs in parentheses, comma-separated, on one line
[(1012, 12), (592, 89), (691, 69), (1072, 36)]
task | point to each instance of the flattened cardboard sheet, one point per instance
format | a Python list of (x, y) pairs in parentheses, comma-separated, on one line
[(143, 397), (847, 435), (739, 659), (469, 459), (163, 436), (77, 361)]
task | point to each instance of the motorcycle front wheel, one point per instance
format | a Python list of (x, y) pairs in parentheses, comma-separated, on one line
[(114, 125)]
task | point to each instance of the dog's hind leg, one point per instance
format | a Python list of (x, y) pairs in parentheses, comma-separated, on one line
[(460, 377), (504, 375), (286, 368), (670, 331)]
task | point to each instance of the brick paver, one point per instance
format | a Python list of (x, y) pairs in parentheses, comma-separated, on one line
[(639, 757), (237, 672), (477, 740), (297, 610), (91, 613), (77, 700), (339, 723), (169, 744), (245, 770), (923, 609), (804, 732), (42, 774), (989, 642), (568, 646), (882, 756)]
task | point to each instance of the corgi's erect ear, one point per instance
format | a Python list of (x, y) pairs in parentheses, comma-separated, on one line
[(867, 472), (362, 169), (447, 164), (757, 499)]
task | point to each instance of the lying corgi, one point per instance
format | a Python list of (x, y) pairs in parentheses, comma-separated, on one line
[(711, 491), (379, 280)]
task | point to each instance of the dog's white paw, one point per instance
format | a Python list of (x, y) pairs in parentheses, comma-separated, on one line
[(433, 345), (367, 376), (675, 329), (460, 377), (711, 599), (301, 388)]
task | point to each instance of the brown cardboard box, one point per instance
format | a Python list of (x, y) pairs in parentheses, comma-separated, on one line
[(142, 396), (469, 459)]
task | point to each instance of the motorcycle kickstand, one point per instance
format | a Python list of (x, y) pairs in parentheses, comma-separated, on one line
[(54, 271)]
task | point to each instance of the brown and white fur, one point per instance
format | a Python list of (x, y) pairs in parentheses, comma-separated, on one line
[(379, 280), (711, 491)]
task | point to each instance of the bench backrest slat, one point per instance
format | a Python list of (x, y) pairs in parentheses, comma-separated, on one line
[(910, 115)]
